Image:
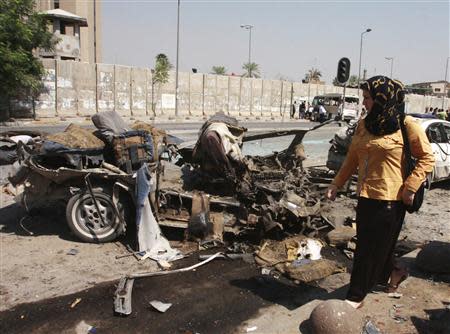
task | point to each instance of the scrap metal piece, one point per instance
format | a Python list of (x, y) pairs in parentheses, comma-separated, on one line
[(160, 306), (246, 257), (122, 296)]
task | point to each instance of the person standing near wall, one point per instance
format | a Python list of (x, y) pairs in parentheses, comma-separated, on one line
[(293, 109), (377, 152), (302, 110)]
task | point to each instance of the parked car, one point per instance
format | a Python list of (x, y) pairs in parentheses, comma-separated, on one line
[(438, 133)]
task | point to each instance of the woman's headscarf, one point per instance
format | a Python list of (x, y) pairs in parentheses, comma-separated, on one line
[(388, 108)]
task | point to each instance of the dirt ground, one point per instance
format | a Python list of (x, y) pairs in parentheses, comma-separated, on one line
[(43, 269)]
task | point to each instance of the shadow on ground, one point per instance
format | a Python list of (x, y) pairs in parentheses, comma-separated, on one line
[(437, 322), (45, 221), (208, 300)]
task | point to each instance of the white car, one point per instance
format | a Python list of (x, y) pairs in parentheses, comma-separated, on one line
[(350, 112), (438, 133)]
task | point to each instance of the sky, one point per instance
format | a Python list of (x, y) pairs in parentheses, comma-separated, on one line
[(288, 37)]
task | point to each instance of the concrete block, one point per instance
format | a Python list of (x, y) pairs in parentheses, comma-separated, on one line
[(45, 104), (209, 102), (183, 94), (266, 98), (222, 93), (196, 94), (234, 89), (84, 82), (256, 97), (122, 88), (138, 91), (275, 96), (21, 108), (286, 99), (246, 97), (166, 97), (300, 93), (66, 103), (105, 87)]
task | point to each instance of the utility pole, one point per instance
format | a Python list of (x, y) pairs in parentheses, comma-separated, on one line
[(249, 28), (360, 55), (178, 51), (445, 84)]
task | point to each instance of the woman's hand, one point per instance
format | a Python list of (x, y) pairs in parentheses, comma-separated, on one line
[(331, 192), (407, 196)]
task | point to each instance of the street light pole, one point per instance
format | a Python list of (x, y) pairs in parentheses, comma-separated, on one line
[(176, 67), (360, 55), (445, 84), (249, 28), (391, 59)]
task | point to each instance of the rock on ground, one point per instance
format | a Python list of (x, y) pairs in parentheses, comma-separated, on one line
[(336, 317), (434, 257)]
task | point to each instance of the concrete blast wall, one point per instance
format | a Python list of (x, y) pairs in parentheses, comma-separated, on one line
[(74, 89)]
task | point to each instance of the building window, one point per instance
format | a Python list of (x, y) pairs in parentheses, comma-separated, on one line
[(437, 90), (56, 4), (62, 28)]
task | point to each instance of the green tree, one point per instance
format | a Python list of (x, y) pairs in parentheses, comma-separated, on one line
[(160, 75), (219, 70), (251, 70), (313, 75), (22, 31), (162, 68)]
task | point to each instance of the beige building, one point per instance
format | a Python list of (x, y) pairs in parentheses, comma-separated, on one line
[(86, 21)]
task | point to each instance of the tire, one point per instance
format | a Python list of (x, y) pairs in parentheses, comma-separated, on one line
[(84, 221), (430, 180)]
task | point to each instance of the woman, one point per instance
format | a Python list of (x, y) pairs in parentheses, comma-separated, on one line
[(377, 152)]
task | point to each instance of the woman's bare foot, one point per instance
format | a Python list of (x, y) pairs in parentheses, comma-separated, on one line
[(354, 304)]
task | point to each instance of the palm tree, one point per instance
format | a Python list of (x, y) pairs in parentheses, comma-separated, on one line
[(162, 68), (313, 75), (219, 70), (251, 70)]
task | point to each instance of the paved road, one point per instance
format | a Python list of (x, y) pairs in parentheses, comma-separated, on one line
[(316, 142)]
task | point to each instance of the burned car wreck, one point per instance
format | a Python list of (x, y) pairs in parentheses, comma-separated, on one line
[(94, 174), (133, 180)]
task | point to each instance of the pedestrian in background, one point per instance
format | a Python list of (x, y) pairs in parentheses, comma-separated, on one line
[(302, 110), (442, 114), (376, 152), (293, 108)]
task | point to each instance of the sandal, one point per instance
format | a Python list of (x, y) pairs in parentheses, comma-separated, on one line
[(392, 287)]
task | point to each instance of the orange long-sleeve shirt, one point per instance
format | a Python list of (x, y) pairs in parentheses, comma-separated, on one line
[(381, 165)]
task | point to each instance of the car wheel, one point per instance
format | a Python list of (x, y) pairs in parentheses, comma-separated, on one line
[(85, 222)]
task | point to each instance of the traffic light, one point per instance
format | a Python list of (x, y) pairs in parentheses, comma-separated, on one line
[(343, 71)]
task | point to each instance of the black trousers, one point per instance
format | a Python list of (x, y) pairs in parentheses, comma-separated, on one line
[(378, 224)]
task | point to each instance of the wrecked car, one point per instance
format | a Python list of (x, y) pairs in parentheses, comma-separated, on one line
[(208, 189)]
